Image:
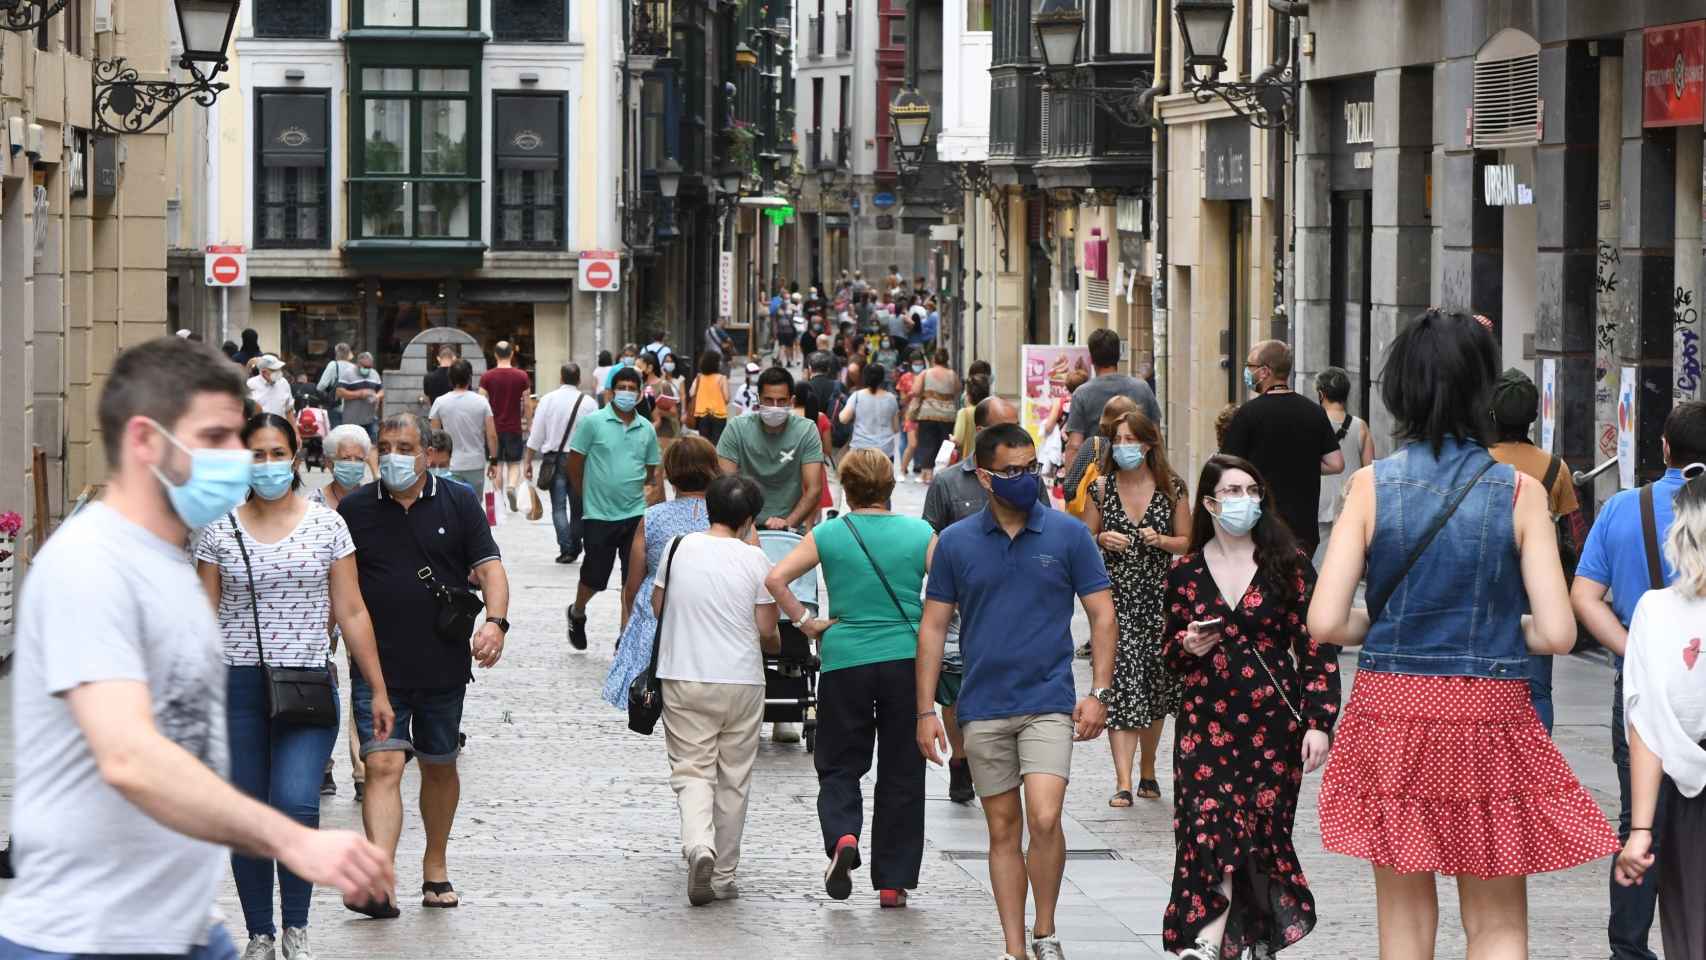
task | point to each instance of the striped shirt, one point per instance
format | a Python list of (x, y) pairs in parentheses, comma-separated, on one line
[(292, 588)]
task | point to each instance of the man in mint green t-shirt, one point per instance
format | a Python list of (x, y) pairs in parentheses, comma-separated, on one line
[(874, 563), (613, 456), (782, 452)]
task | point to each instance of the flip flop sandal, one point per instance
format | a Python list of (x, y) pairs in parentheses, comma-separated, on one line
[(1121, 798), (1149, 789), (439, 888), (375, 909)]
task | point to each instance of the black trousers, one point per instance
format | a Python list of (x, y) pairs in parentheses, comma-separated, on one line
[(860, 708)]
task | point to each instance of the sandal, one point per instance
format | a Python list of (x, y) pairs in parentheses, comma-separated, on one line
[(1121, 798), (439, 888), (375, 909), (1149, 789)]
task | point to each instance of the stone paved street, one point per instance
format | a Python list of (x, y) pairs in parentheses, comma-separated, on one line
[(566, 845)]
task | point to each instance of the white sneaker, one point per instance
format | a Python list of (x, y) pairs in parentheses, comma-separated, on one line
[(260, 948), (700, 863), (1201, 950), (785, 732), (728, 891), (1048, 948), (294, 945)]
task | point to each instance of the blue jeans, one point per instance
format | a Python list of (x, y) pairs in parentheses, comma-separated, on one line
[(1540, 688), (279, 764), (428, 723), (1631, 907), (219, 947), (563, 499)]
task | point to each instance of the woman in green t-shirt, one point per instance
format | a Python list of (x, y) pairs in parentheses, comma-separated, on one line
[(874, 562)]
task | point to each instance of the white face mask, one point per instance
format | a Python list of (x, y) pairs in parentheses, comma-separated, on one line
[(774, 416)]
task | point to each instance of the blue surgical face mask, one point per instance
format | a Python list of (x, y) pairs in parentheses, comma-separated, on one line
[(1249, 379), (349, 473), (443, 473), (625, 400), (669, 366), (271, 481), (918, 368), (1129, 456), (397, 471), (218, 482), (1238, 515), (1017, 492)]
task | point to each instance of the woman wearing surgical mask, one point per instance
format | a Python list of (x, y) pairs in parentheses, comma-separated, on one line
[(1260, 697), (353, 464), (277, 570), (1139, 513)]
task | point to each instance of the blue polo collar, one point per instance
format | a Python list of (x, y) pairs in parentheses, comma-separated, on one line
[(1033, 520)]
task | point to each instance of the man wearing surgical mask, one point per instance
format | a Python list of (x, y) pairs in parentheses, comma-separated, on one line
[(409, 521), (613, 457), (779, 450), (119, 693)]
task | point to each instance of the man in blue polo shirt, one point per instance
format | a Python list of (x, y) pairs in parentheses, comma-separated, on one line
[(1012, 571), (1615, 559)]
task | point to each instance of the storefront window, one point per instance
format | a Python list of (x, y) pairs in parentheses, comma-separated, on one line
[(309, 331)]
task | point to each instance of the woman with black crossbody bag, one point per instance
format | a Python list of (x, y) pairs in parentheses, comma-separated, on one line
[(279, 571), (874, 563)]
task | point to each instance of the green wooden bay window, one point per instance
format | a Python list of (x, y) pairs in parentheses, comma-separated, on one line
[(415, 166), (414, 14)]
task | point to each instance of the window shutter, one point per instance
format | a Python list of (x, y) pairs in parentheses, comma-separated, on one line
[(1507, 92), (1096, 295)]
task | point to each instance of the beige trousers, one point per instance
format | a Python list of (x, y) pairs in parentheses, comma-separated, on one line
[(711, 731)]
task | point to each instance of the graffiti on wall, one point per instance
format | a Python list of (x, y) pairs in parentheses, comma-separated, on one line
[(1607, 262), (1685, 319)]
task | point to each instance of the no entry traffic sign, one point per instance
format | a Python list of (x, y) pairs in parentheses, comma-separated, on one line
[(226, 266), (600, 272)]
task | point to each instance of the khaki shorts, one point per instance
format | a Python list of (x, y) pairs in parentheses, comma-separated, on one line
[(1003, 751)]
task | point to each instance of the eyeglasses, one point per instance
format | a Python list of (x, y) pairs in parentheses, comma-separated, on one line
[(1013, 473), (1253, 490)]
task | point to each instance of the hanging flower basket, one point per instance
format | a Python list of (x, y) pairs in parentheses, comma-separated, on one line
[(10, 525)]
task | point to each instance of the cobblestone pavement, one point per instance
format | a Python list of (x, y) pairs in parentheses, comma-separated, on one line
[(566, 841)]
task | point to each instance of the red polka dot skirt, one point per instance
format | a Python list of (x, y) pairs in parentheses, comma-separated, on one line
[(1454, 775)]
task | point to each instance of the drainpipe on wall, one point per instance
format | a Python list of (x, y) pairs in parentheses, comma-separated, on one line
[(1158, 312), (1284, 44)]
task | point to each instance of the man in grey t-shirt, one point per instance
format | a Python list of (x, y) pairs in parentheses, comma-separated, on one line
[(1089, 399), (121, 814), (473, 429)]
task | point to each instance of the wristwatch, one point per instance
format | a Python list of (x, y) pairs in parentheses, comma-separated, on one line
[(499, 622), (1103, 694)]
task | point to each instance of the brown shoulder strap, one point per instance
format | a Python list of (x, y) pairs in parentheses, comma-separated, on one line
[(1650, 534), (1551, 477)]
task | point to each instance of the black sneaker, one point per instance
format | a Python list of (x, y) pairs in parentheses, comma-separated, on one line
[(577, 630), (360, 791), (328, 786), (959, 782), (568, 557)]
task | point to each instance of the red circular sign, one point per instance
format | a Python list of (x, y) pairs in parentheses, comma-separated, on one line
[(225, 269), (599, 275)]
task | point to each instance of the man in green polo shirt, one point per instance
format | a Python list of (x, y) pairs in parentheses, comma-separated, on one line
[(779, 450), (612, 458)]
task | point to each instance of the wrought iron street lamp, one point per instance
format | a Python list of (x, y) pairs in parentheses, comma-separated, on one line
[(1267, 102), (1059, 27), (669, 178), (909, 115), (24, 15), (125, 103)]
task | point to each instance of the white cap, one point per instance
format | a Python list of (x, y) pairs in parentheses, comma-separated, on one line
[(752, 366), (270, 362), (183, 334)]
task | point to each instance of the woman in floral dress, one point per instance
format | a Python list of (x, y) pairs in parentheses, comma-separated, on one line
[(1134, 471), (690, 464), (1260, 698)]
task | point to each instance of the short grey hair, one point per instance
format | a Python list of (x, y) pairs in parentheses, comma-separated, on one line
[(341, 351), (408, 421), (349, 433), (365, 358)]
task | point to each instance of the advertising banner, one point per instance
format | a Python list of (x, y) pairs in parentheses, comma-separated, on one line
[(1045, 370), (1548, 402), (1673, 75), (1626, 428)]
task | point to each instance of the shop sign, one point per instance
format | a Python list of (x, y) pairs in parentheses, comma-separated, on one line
[(726, 284), (1626, 428), (883, 201), (1500, 188), (1673, 78), (1353, 134), (1226, 160), (1045, 369)]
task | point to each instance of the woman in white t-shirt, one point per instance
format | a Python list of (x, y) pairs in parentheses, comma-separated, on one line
[(1664, 697), (277, 570), (719, 622)]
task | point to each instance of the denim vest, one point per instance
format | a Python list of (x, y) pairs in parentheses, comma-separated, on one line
[(1458, 612)]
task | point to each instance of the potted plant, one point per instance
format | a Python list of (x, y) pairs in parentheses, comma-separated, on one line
[(10, 525)]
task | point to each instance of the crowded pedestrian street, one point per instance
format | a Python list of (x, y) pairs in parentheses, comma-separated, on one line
[(565, 842)]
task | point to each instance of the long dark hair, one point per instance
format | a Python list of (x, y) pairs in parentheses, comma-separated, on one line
[(1438, 379), (1278, 559)]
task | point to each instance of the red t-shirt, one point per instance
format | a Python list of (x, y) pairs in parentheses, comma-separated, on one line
[(505, 387)]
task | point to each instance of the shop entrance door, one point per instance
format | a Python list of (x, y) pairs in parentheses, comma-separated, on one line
[(1350, 330)]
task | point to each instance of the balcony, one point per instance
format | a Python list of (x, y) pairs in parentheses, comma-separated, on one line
[(827, 151), (843, 34), (1084, 145), (1015, 117), (814, 36), (843, 149)]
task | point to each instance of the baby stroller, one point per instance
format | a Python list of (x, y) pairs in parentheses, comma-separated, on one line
[(311, 429), (790, 677)]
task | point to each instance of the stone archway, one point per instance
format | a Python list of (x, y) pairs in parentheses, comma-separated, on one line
[(403, 385)]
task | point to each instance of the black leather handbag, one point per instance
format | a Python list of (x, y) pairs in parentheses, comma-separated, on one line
[(645, 694), (458, 610), (299, 695), (551, 463)]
